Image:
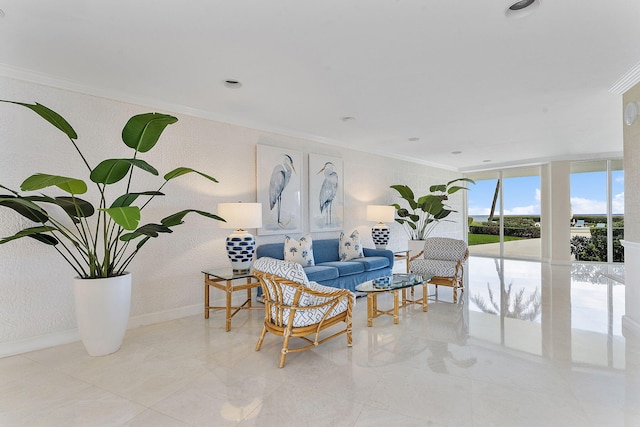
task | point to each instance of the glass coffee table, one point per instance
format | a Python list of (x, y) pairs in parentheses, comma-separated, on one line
[(393, 284)]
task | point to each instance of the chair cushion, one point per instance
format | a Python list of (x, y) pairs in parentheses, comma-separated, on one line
[(373, 262), (311, 317), (350, 247), (300, 251), (319, 273), (345, 268), (444, 248), (433, 267)]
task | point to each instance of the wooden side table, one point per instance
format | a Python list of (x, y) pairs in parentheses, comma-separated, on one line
[(223, 279)]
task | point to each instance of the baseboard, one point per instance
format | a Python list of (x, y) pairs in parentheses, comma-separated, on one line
[(12, 348), (630, 327), (164, 316)]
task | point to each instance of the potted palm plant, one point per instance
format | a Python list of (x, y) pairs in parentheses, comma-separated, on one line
[(424, 213), (98, 240)]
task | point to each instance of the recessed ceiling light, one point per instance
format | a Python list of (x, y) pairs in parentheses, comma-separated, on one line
[(456, 152), (348, 119), (233, 84), (521, 8), (414, 139)]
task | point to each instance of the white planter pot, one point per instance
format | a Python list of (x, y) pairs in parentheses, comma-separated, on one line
[(102, 312), (415, 246)]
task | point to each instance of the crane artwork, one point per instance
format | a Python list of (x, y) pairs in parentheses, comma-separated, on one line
[(328, 191), (279, 179)]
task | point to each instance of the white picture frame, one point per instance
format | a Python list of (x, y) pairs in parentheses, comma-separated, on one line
[(279, 186), (326, 193)]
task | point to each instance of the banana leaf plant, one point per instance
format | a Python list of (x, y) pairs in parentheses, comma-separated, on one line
[(425, 212), (97, 241)]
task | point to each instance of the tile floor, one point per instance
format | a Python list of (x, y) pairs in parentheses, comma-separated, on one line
[(529, 346)]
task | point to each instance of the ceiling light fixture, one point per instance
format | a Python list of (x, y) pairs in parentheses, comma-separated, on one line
[(414, 139), (232, 84), (456, 152), (521, 8), (348, 119)]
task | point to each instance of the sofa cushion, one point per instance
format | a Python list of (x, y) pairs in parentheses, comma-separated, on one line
[(345, 268), (319, 273), (325, 250), (350, 246), (300, 251), (373, 262)]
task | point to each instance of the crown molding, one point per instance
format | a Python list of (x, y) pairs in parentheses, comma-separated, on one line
[(627, 81)]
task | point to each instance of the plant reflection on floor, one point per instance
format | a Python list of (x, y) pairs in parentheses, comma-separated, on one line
[(517, 306), (513, 305)]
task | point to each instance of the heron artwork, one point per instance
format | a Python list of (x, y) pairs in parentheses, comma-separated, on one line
[(279, 179), (328, 191)]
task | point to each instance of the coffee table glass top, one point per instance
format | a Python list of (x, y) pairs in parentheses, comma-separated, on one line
[(389, 283)]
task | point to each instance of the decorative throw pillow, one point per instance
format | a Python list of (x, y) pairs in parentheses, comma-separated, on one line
[(350, 246), (299, 251)]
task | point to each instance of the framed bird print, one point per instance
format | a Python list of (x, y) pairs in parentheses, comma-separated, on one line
[(326, 193), (279, 189)]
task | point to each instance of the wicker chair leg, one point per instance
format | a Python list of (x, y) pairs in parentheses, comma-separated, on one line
[(284, 351), (264, 332), (349, 335)]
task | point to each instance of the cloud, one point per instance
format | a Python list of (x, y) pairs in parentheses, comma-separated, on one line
[(582, 206), (617, 204)]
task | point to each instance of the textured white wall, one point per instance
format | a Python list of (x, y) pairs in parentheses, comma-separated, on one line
[(631, 214), (36, 298)]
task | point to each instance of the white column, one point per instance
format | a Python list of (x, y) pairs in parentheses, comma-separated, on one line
[(555, 212)]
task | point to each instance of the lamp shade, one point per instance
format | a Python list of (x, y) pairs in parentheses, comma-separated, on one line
[(240, 215), (381, 213)]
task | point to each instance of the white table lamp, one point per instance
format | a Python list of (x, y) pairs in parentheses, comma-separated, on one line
[(240, 244), (380, 232)]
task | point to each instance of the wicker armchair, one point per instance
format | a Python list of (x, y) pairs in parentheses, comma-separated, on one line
[(295, 307), (443, 258)]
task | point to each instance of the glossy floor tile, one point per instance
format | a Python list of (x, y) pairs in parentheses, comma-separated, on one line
[(530, 345)]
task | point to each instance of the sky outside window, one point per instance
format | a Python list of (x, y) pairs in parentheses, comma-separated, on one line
[(522, 195)]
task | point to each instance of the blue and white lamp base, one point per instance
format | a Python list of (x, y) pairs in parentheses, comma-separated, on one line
[(240, 249), (380, 233)]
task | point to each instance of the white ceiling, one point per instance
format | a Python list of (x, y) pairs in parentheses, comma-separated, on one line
[(459, 75)]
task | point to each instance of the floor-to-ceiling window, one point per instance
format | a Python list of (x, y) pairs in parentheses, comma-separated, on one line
[(504, 213), (597, 204)]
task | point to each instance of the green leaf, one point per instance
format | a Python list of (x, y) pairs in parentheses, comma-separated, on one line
[(26, 208), (143, 130), (126, 217), (455, 189), (438, 187), (75, 207), (113, 170), (51, 116), (182, 171), (151, 230), (176, 218), (129, 198), (469, 180), (42, 180), (432, 205), (33, 232), (405, 192)]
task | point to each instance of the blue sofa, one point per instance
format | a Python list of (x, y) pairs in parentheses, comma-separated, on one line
[(330, 271)]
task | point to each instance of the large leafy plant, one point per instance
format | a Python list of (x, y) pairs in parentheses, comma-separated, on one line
[(425, 212), (97, 241)]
